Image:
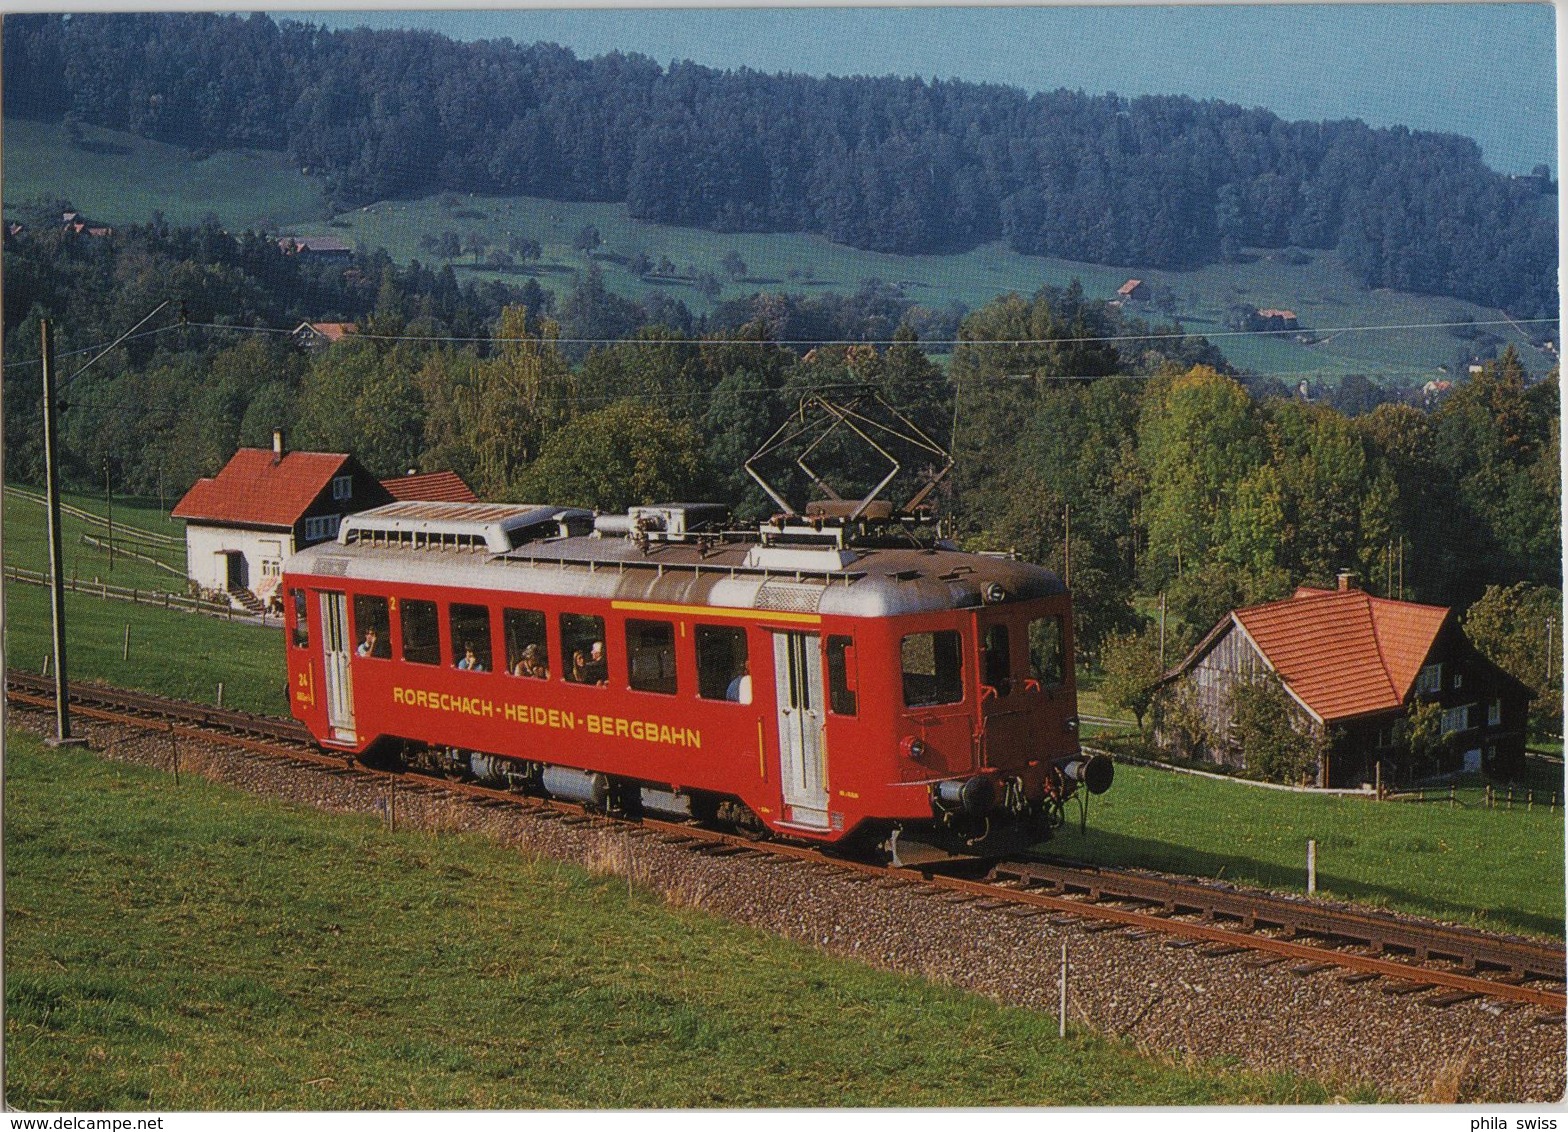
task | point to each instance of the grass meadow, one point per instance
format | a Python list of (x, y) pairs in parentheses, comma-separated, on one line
[(171, 652), (118, 178), (192, 948), (1499, 869), (111, 181)]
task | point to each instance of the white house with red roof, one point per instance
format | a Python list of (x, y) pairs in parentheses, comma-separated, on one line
[(264, 505), (316, 335), (1352, 665)]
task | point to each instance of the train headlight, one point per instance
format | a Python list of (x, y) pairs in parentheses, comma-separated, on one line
[(994, 592), (914, 748)]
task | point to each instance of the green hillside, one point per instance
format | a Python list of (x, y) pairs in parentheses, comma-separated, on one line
[(122, 179), (118, 178)]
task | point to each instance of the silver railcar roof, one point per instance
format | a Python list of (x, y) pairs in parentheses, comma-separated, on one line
[(856, 582)]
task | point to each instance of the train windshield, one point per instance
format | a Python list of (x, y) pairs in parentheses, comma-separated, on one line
[(996, 662), (1047, 657), (933, 668)]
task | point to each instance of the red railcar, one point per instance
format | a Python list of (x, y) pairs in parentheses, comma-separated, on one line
[(818, 680)]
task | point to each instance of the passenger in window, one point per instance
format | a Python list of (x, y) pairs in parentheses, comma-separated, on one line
[(739, 691), (597, 670), (372, 645), (470, 661), (531, 664)]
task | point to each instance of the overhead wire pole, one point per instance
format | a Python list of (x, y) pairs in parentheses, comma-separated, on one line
[(52, 492), (62, 715)]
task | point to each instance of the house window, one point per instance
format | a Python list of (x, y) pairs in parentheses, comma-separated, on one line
[(322, 527), (1494, 713), (342, 487), (1431, 679), (1457, 719), (1459, 681)]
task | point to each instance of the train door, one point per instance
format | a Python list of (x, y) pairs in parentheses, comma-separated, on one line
[(336, 645), (797, 668)]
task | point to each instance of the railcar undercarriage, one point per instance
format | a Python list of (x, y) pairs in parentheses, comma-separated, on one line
[(967, 822)]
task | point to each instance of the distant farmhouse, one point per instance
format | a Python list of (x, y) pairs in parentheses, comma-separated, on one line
[(316, 335), (318, 249), (75, 224), (1352, 665), (264, 505), (1270, 318), (1134, 290)]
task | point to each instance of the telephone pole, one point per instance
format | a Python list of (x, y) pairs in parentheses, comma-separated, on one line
[(62, 715)]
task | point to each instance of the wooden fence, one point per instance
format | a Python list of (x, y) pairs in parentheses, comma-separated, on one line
[(107, 592)]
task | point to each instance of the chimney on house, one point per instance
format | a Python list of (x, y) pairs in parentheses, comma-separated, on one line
[(1347, 580), (277, 446)]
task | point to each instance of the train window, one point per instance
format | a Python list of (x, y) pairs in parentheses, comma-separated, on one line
[(301, 621), (470, 625), (650, 656), (1047, 658), (582, 649), (527, 652), (372, 627), (421, 632), (933, 668), (723, 671), (996, 662), (842, 682)]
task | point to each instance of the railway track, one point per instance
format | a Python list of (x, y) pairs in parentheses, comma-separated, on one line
[(1444, 964)]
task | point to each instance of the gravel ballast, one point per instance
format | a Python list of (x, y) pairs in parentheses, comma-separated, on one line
[(1169, 1001)]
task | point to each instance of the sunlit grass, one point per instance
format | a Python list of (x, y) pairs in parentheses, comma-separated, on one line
[(1498, 868), (192, 948)]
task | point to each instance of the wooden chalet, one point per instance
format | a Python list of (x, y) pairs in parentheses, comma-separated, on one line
[(1352, 665)]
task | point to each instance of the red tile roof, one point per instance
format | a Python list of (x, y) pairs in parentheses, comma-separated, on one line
[(331, 331), (251, 490), (432, 487), (1344, 653)]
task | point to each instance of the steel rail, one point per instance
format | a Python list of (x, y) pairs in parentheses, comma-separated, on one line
[(1313, 957), (1253, 909)]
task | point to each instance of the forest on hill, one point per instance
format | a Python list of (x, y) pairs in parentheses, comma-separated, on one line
[(887, 164), (1175, 477)]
